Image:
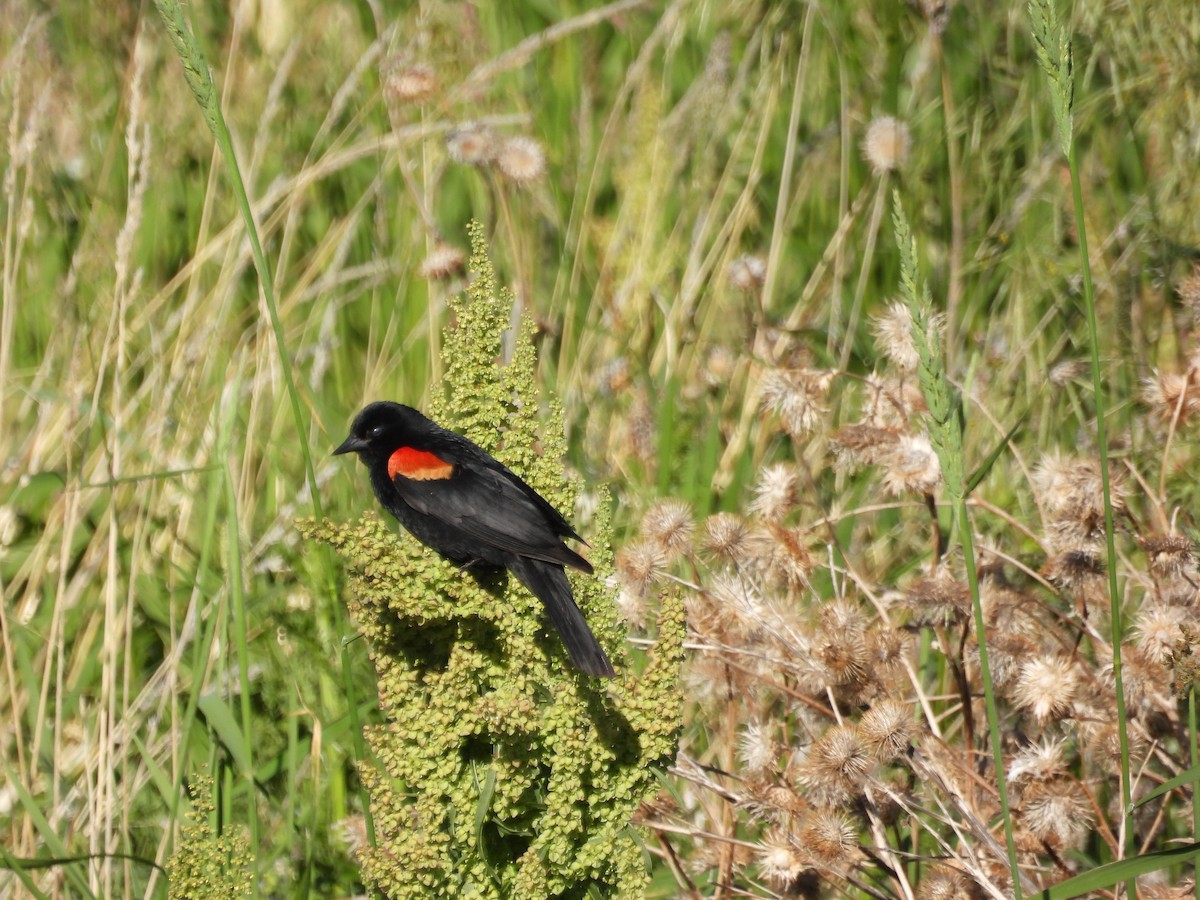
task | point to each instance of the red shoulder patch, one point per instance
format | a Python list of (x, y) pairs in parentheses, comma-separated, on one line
[(419, 465)]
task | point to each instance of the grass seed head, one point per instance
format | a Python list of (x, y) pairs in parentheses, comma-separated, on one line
[(411, 84), (668, 525)]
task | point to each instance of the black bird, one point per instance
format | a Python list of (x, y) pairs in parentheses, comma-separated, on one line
[(455, 497)]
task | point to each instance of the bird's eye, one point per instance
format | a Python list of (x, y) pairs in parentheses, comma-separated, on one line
[(377, 431)]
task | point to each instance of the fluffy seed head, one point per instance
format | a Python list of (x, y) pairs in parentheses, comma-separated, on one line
[(862, 445), (780, 556), (1189, 290), (776, 493), (1047, 687), (938, 600), (829, 838), (725, 537), (1170, 556), (668, 525), (779, 859), (887, 729), (1057, 812), (947, 883), (911, 466), (798, 397), (758, 748), (747, 273), (1063, 373), (521, 159), (638, 565), (443, 261), (886, 144), (1159, 627), (411, 84), (1071, 493), (1172, 394), (472, 143), (835, 765), (893, 337), (1039, 761)]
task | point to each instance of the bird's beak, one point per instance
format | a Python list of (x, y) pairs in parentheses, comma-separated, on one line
[(350, 445)]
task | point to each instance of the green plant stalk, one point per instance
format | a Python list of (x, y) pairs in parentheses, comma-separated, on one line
[(1089, 303), (1194, 733), (989, 692), (200, 80), (945, 426)]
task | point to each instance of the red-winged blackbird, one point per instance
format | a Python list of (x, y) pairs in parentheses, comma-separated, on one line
[(454, 497)]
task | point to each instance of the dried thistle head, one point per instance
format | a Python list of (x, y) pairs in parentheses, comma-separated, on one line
[(1173, 396), (944, 882), (1170, 556), (830, 839), (779, 858), (911, 466), (887, 729), (411, 83), (1080, 574), (862, 445), (1159, 627), (1047, 687), (443, 261), (1056, 812), (1071, 492), (893, 337), (834, 766), (840, 645), (797, 397), (472, 143), (780, 556), (1066, 371), (1189, 291), (1007, 653), (521, 160), (724, 536), (639, 565), (758, 747), (886, 144), (1040, 761), (939, 600), (668, 525), (747, 273), (777, 492)]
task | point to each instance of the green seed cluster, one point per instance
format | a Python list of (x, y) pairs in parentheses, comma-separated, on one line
[(501, 771), (205, 865)]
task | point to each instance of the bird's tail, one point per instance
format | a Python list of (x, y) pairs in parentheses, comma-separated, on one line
[(549, 584)]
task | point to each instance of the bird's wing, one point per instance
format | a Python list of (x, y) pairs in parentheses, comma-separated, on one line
[(484, 500)]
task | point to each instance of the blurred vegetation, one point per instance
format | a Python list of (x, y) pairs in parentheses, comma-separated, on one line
[(709, 241)]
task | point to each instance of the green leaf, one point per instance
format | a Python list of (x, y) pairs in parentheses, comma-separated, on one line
[(1106, 876), (986, 466), (222, 721), (1188, 776)]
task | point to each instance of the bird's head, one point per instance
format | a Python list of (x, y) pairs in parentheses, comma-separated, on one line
[(379, 430)]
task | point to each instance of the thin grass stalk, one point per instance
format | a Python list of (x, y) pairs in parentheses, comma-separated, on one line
[(200, 80), (946, 435), (1194, 734), (1116, 625), (1053, 45)]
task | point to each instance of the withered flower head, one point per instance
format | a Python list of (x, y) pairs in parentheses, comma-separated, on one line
[(521, 159), (887, 729), (776, 493), (639, 565), (668, 525), (893, 336), (938, 600), (411, 84), (798, 397), (443, 261), (1057, 812), (1047, 687), (862, 445), (747, 273), (725, 537), (911, 465), (886, 144), (472, 143)]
